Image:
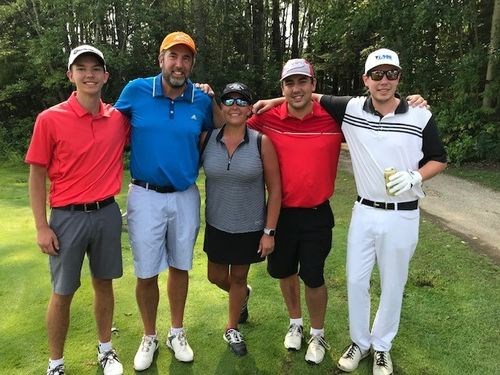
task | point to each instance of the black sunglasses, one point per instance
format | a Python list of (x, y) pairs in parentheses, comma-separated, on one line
[(391, 75), (239, 102)]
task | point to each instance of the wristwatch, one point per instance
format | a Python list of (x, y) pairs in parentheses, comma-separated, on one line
[(270, 232)]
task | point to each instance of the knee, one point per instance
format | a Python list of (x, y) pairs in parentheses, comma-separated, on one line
[(216, 278), (355, 282), (60, 302), (239, 280), (147, 283)]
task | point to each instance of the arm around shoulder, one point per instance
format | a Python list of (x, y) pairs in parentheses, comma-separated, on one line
[(264, 105)]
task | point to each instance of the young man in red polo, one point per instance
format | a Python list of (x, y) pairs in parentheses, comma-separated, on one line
[(78, 146), (307, 141)]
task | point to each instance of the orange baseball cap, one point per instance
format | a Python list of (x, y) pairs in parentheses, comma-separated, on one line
[(178, 37)]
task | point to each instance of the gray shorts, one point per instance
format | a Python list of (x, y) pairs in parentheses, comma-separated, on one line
[(162, 229), (95, 233)]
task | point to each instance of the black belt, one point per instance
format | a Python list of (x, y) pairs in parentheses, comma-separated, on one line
[(93, 206), (413, 205), (158, 189)]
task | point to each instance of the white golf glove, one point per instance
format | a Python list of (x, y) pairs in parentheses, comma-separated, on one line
[(403, 181)]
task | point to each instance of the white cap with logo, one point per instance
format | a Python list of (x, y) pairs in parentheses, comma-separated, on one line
[(381, 56), (85, 48), (297, 66)]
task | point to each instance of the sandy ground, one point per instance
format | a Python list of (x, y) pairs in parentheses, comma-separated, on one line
[(469, 210)]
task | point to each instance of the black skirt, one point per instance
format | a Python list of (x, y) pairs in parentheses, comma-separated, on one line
[(232, 248)]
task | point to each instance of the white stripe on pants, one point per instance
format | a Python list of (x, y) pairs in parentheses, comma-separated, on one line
[(388, 238)]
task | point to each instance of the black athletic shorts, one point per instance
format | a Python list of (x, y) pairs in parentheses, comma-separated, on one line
[(232, 248), (303, 241)]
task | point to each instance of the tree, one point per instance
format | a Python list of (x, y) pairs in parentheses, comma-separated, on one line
[(491, 97), (295, 28), (447, 48)]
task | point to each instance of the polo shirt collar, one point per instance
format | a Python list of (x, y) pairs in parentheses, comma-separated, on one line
[(80, 111), (187, 95), (221, 134), (401, 108)]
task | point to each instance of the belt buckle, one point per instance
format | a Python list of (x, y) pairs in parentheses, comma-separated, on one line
[(87, 209), (380, 205)]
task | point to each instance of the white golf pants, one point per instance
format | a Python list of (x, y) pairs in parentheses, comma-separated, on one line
[(387, 238)]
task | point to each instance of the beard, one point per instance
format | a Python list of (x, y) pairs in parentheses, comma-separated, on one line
[(174, 81)]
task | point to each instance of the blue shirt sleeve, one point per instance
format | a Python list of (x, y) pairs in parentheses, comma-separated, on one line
[(124, 102)]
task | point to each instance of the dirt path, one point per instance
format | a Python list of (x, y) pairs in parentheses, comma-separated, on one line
[(469, 210)]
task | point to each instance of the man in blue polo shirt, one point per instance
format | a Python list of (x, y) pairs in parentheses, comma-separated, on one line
[(167, 115)]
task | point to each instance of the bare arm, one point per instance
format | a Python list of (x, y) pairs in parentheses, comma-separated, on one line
[(217, 118), (431, 168), (316, 97), (264, 105), (273, 184), (46, 238), (203, 135)]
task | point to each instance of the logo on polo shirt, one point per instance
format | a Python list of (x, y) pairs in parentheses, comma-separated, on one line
[(193, 117)]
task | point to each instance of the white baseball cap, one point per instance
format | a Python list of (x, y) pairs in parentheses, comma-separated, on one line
[(381, 56), (297, 66), (85, 48)]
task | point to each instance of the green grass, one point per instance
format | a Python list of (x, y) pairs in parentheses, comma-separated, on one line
[(486, 174), (449, 321)]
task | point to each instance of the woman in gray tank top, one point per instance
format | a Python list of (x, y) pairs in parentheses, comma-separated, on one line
[(239, 165)]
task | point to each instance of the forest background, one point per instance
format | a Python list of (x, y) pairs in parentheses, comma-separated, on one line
[(449, 50)]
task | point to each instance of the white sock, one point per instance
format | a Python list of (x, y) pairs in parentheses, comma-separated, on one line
[(152, 337), (297, 321), (175, 331), (53, 363), (317, 332), (105, 346)]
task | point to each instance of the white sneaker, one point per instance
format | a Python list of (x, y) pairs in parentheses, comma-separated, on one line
[(145, 354), (178, 343), (351, 357), (58, 370), (382, 364), (316, 349), (293, 338), (110, 363)]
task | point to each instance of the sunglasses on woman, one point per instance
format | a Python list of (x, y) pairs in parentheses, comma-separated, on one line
[(391, 75), (239, 102)]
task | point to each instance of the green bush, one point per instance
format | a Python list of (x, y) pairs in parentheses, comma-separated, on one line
[(469, 136)]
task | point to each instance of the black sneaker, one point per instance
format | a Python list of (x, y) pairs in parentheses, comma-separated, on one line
[(235, 340), (244, 308), (59, 370)]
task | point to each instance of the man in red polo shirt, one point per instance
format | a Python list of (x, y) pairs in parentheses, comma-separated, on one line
[(78, 146), (307, 140)]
